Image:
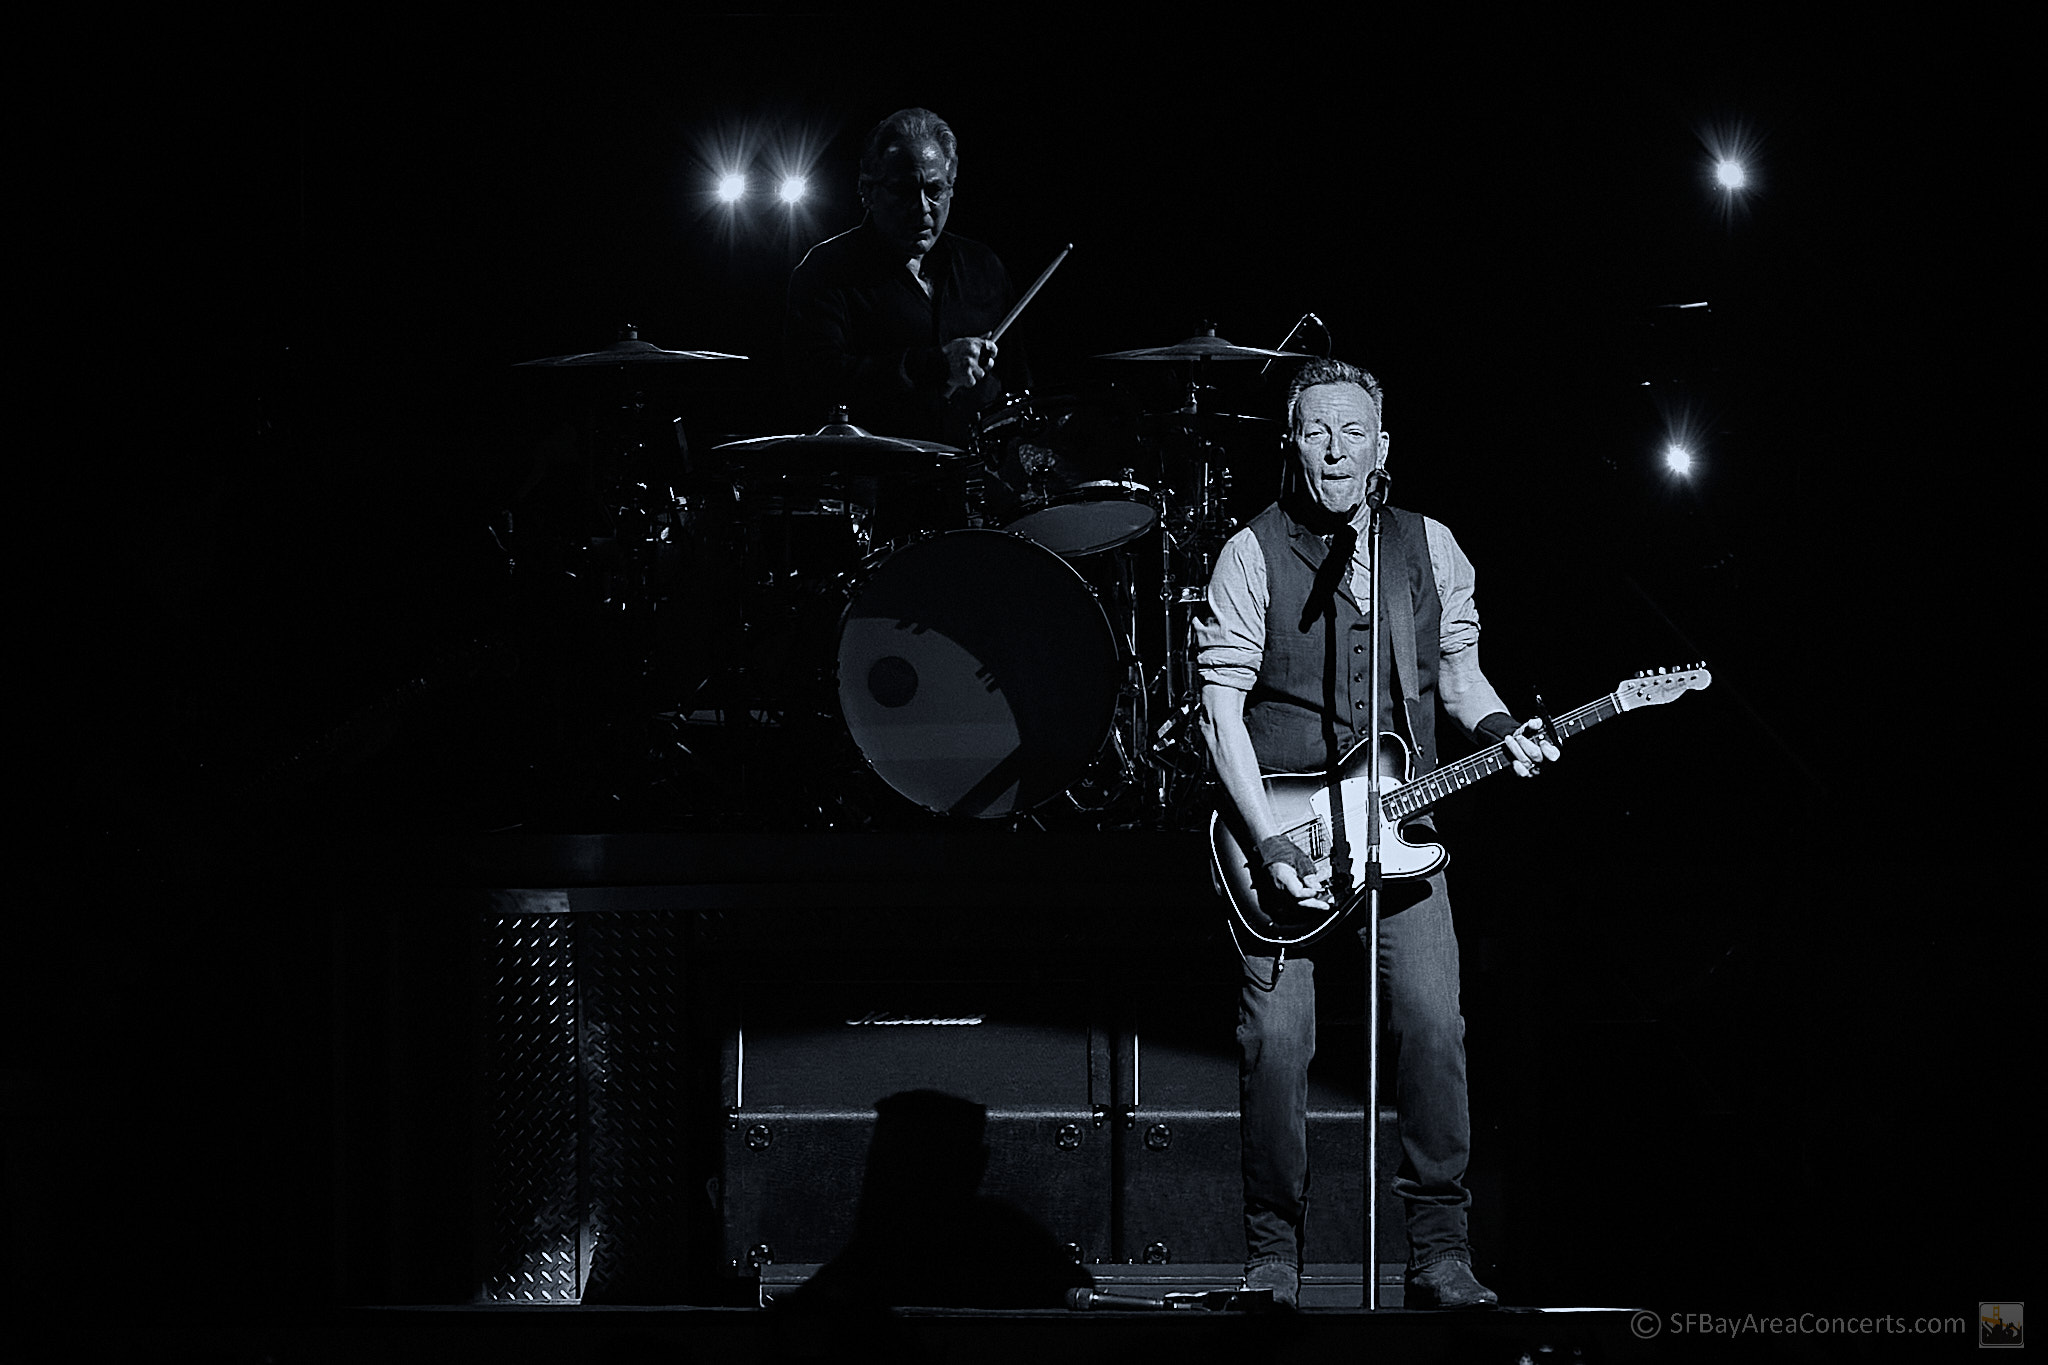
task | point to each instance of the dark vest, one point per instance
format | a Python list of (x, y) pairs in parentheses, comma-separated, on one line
[(1287, 709)]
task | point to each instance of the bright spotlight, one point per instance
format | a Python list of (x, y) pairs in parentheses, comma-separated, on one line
[(732, 187), (793, 188), (1734, 164), (1678, 459)]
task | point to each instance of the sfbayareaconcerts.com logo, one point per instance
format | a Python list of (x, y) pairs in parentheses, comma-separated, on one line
[(2002, 1324)]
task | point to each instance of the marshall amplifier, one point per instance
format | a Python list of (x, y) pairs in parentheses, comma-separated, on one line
[(804, 1064)]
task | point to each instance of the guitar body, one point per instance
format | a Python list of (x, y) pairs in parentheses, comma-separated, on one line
[(1311, 808), (1304, 803)]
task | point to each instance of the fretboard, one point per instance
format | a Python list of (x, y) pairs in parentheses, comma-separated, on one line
[(1411, 800)]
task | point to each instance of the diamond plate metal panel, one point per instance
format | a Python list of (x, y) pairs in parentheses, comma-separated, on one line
[(532, 1234), (584, 1143), (631, 971)]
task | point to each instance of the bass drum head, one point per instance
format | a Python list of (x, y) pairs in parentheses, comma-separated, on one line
[(977, 673)]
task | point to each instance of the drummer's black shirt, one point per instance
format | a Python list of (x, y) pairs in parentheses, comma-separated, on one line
[(861, 333)]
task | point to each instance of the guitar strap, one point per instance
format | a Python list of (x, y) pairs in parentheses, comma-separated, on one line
[(1400, 608)]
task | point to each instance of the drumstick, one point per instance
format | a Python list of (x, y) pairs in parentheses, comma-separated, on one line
[(1004, 325)]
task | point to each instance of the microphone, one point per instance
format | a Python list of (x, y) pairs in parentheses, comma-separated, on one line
[(1376, 485)]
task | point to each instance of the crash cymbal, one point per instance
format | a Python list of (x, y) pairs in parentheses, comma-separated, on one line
[(838, 447), (1189, 420), (629, 350), (1208, 346)]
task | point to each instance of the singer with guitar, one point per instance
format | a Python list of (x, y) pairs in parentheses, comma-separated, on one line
[(1284, 678)]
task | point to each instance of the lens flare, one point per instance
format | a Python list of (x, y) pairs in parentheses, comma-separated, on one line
[(1732, 166)]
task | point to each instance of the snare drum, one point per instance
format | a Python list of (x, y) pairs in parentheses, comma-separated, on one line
[(802, 532), (1090, 518), (977, 673), (1066, 464)]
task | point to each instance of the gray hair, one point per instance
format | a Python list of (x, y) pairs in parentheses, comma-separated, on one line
[(909, 126), (1322, 370)]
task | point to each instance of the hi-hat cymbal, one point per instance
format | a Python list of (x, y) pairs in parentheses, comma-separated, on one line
[(629, 351), (1206, 347), (838, 447)]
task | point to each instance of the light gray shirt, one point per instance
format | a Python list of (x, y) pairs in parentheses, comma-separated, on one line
[(1230, 637)]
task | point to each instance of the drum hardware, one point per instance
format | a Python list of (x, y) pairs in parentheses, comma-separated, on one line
[(1176, 745), (610, 517), (814, 504), (801, 532), (1038, 463), (1114, 774)]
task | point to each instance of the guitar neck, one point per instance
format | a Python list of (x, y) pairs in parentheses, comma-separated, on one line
[(1418, 796)]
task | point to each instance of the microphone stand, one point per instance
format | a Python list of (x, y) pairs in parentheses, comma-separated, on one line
[(1376, 501)]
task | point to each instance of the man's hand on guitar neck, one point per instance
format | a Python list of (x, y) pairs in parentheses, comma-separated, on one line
[(1529, 745)]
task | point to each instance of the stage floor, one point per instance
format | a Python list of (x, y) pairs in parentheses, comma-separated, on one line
[(629, 1335)]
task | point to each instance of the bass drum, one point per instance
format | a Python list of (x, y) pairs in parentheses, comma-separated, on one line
[(977, 673)]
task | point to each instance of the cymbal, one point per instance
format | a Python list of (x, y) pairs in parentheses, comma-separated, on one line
[(1206, 347), (631, 351), (841, 448), (1188, 417)]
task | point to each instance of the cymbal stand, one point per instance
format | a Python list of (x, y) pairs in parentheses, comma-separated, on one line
[(1177, 684), (1190, 536)]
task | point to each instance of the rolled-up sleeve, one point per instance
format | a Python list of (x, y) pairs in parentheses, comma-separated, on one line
[(1467, 696), (1230, 628), (1455, 578)]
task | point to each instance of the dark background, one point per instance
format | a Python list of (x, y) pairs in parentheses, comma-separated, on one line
[(1735, 1030)]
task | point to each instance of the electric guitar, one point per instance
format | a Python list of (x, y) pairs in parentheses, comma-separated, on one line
[(1303, 802)]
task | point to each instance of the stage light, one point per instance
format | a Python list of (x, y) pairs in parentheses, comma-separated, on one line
[(732, 187), (1732, 166), (793, 189), (1678, 459)]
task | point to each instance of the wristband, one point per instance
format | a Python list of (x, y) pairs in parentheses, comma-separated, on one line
[(1496, 727), (1278, 848)]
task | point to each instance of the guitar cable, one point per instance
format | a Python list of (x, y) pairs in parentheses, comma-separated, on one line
[(1279, 959)]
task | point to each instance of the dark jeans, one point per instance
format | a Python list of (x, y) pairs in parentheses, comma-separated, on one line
[(1276, 1037)]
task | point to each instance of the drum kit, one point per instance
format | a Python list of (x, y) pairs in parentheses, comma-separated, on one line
[(1001, 631)]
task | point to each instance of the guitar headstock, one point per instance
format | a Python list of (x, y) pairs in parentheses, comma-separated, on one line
[(1655, 687)]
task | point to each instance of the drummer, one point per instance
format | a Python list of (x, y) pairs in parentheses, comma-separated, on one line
[(890, 320)]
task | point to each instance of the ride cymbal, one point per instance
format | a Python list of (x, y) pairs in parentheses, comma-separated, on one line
[(838, 447), (1205, 347)]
